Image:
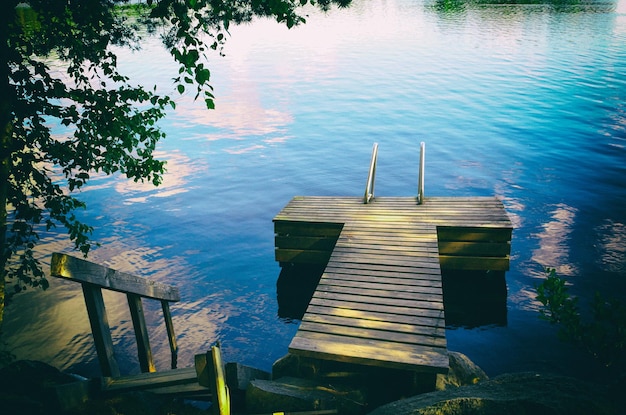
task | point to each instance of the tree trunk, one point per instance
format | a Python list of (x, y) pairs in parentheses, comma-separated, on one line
[(7, 16)]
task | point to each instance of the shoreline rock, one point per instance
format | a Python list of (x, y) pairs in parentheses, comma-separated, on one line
[(511, 394), (25, 388)]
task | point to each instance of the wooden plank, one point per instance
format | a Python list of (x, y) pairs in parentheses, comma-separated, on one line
[(72, 268), (147, 381), (446, 233), (316, 311), (388, 245), (334, 215), (171, 336), (144, 352), (412, 273), (316, 243), (372, 334), (383, 258), (377, 284), (474, 263), (389, 251), (423, 270), (435, 296), (474, 249), (100, 330), (306, 228), (375, 324), (370, 301), (193, 391), (370, 352), (299, 256), (399, 309), (393, 238)]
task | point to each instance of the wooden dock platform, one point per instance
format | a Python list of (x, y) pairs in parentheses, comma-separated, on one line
[(379, 301)]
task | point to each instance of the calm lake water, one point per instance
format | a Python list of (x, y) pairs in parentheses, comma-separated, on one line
[(525, 102)]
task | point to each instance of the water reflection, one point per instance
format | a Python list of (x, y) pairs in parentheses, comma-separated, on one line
[(611, 247), (179, 169), (554, 241), (475, 298), (294, 288)]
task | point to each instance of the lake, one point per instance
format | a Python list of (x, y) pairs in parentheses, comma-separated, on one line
[(524, 102)]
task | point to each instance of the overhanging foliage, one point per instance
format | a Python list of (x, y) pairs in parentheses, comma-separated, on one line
[(111, 122)]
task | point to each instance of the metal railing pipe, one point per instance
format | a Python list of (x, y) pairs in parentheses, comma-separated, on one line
[(420, 178), (371, 177)]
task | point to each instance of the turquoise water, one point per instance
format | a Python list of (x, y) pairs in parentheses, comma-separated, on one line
[(525, 102)]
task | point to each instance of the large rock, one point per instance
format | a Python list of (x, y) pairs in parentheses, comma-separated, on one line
[(296, 394), (373, 386), (30, 387), (287, 395), (511, 394), (462, 372)]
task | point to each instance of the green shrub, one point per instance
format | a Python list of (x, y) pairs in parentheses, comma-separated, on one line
[(602, 333)]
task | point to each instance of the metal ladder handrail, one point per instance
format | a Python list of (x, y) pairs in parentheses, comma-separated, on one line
[(369, 186), (420, 177)]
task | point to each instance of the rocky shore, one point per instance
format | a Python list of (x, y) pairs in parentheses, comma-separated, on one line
[(30, 388)]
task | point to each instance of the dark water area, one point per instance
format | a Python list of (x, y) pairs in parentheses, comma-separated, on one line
[(526, 102)]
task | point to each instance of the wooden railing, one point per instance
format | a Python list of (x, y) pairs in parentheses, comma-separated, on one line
[(94, 278), (203, 381)]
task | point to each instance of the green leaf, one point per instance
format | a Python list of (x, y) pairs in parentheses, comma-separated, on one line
[(181, 88), (202, 76)]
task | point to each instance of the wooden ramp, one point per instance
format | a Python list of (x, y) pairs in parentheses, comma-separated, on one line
[(380, 301)]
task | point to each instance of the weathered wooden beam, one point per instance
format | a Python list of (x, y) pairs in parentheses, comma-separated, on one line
[(72, 268), (321, 243), (144, 353), (147, 381), (169, 326), (282, 227), (210, 372), (300, 256), (474, 263), (100, 330), (488, 249), (469, 233)]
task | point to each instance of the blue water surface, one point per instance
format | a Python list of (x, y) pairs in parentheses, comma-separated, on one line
[(524, 102)]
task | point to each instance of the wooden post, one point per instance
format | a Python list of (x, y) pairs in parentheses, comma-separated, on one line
[(210, 372), (218, 384), (169, 325), (144, 352), (100, 330)]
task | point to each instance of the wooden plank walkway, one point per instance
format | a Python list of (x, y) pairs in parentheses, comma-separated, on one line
[(380, 300)]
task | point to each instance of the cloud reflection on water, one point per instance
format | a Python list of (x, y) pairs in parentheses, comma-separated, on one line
[(178, 169), (554, 241), (611, 246)]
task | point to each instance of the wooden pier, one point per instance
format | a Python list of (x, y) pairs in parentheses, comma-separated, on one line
[(379, 301)]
